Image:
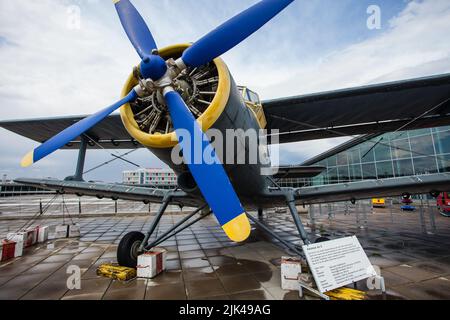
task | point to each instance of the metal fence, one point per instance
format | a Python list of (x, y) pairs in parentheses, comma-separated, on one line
[(73, 205), (364, 215)]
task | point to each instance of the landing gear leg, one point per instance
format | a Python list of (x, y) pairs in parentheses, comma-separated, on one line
[(155, 222), (133, 243), (260, 213), (290, 199)]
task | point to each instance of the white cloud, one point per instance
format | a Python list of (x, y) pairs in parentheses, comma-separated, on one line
[(53, 70), (414, 45)]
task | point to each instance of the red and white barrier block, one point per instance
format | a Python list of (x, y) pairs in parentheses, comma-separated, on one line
[(42, 234), (74, 231), (67, 231), (11, 249), (34, 231), (291, 267), (17, 237), (30, 237), (8, 248), (18, 249), (15, 242), (151, 263)]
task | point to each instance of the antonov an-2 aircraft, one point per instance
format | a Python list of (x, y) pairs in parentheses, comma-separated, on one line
[(188, 87)]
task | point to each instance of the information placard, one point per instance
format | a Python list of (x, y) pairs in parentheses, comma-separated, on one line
[(337, 263)]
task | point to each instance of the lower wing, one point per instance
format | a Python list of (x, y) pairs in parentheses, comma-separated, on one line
[(433, 183), (113, 191)]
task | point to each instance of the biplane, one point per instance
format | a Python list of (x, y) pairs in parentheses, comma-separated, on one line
[(179, 95)]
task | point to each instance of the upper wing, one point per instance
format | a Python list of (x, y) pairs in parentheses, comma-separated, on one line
[(113, 191), (374, 188), (417, 103), (109, 134)]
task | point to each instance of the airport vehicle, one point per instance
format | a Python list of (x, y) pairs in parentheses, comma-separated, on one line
[(187, 88), (406, 199), (378, 203), (408, 207), (407, 203), (443, 204)]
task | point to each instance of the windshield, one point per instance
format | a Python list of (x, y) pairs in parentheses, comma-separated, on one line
[(252, 96)]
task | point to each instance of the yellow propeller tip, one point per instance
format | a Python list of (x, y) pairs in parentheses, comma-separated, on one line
[(238, 229), (27, 160)]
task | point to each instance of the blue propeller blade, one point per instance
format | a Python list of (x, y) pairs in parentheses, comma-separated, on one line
[(211, 178), (135, 28), (232, 32), (73, 131)]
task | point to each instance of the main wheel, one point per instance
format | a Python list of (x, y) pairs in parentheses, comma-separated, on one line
[(128, 249)]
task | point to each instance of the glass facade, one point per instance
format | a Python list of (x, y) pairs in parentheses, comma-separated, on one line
[(394, 154)]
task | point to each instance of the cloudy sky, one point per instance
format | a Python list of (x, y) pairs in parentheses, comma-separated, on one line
[(51, 68)]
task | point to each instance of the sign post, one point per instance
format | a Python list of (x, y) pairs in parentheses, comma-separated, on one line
[(337, 263)]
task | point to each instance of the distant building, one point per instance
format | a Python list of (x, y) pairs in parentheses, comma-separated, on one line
[(9, 188), (161, 178)]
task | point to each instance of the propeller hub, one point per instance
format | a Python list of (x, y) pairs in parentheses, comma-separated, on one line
[(153, 67)]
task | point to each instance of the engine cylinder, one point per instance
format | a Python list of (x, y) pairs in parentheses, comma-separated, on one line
[(206, 96)]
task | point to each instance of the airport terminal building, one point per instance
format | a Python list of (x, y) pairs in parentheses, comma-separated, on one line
[(367, 157), (389, 155)]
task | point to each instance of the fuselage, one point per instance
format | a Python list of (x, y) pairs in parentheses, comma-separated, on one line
[(248, 178)]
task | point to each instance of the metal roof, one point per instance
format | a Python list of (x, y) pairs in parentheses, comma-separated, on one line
[(370, 109)]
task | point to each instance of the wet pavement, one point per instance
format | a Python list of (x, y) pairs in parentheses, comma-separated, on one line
[(203, 264)]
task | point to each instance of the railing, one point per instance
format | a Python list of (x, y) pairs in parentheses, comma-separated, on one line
[(42, 205), (363, 215)]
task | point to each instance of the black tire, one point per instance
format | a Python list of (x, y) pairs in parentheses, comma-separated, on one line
[(321, 239), (127, 250)]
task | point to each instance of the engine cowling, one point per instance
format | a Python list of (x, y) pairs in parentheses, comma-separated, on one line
[(216, 104), (206, 91)]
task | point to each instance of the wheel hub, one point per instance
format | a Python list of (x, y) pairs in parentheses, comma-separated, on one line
[(134, 251)]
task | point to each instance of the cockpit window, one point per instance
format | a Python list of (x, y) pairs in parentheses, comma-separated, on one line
[(252, 96)]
